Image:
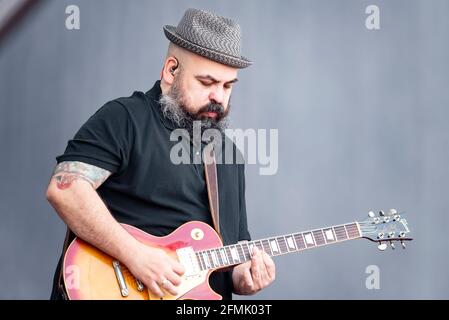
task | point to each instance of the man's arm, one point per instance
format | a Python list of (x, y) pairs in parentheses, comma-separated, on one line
[(72, 192)]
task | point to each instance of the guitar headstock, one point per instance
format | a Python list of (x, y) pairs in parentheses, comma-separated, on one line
[(386, 227)]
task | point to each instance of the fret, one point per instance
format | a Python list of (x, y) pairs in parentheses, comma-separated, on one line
[(247, 250), (214, 258), (211, 259), (234, 253), (356, 230), (222, 256), (308, 239), (240, 252), (359, 232), (340, 231), (229, 255), (346, 231), (206, 260), (329, 235), (282, 244), (274, 246), (322, 235), (259, 245), (200, 260), (266, 247), (244, 247), (291, 243), (219, 256), (225, 257), (251, 246), (353, 230), (319, 239), (304, 240), (299, 240)]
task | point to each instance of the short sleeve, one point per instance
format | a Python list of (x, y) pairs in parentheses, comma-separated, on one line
[(104, 140)]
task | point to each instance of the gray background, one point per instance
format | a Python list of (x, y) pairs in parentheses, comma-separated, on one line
[(362, 118)]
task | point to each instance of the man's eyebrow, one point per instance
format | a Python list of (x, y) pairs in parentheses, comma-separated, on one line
[(210, 78)]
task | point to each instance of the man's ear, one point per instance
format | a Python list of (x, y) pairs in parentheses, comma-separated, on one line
[(169, 70)]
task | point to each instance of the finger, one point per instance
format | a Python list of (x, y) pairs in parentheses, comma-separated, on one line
[(178, 268), (154, 288), (264, 277), (169, 287), (174, 278), (270, 266), (255, 251), (248, 279), (256, 261)]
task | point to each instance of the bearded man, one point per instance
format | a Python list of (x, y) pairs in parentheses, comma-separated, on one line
[(117, 168)]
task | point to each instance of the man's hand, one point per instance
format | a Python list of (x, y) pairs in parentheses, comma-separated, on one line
[(72, 192), (254, 275), (156, 270)]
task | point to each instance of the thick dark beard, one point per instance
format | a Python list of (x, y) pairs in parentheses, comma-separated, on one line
[(173, 109)]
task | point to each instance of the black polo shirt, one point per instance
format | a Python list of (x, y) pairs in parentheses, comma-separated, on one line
[(131, 138)]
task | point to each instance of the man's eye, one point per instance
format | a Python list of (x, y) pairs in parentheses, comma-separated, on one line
[(206, 84), (228, 86)]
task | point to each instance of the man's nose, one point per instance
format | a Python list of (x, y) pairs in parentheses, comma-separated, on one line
[(217, 95)]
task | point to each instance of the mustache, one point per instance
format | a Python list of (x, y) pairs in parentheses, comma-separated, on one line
[(213, 107), (173, 109)]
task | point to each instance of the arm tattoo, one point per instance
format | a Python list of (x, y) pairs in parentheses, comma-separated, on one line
[(68, 171)]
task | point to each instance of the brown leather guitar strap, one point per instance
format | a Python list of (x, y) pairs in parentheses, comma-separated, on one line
[(210, 168)]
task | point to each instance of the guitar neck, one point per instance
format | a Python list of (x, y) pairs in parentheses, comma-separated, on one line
[(241, 252)]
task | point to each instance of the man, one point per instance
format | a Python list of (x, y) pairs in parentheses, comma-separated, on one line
[(117, 169)]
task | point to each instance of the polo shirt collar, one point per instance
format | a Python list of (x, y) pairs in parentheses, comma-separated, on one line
[(154, 94)]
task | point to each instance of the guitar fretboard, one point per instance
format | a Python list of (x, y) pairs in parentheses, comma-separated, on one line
[(241, 252)]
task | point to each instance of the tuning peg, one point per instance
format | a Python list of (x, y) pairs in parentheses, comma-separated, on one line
[(392, 245), (382, 246), (392, 212), (403, 244), (371, 214), (381, 213)]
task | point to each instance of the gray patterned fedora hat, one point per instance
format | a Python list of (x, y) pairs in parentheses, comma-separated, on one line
[(209, 35)]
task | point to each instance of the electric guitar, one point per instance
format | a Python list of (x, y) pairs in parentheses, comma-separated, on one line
[(89, 273)]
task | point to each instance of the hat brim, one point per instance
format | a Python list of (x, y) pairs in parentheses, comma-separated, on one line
[(232, 61)]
